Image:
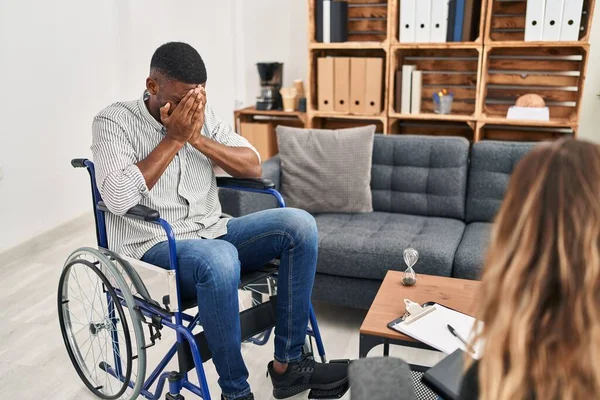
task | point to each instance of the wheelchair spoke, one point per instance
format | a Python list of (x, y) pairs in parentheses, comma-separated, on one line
[(82, 292)]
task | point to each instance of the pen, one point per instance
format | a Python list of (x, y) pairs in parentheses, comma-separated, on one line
[(457, 335)]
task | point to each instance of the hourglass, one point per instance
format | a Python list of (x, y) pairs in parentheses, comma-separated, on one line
[(410, 258)]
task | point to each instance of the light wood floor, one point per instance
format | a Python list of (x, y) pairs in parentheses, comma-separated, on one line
[(34, 363)]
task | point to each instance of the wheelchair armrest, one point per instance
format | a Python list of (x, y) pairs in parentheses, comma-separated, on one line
[(259, 184), (139, 212), (78, 162)]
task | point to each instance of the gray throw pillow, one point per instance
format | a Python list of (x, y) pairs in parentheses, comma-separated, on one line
[(326, 170)]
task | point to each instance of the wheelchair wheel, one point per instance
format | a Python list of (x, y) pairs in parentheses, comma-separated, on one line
[(101, 326)]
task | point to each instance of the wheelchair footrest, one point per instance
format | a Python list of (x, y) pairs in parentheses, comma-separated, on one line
[(253, 321), (335, 393)]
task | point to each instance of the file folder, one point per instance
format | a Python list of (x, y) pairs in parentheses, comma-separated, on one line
[(439, 21), (341, 79), (408, 12), (374, 83), (416, 92), (407, 71), (571, 21), (553, 20), (325, 83), (534, 20), (326, 21), (358, 86), (423, 21)]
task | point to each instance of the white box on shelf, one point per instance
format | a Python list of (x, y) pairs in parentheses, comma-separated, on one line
[(534, 20), (529, 113)]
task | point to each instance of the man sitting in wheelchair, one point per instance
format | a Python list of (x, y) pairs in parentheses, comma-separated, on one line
[(159, 151)]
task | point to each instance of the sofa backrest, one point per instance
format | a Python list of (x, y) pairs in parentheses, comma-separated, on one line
[(420, 175), (492, 163)]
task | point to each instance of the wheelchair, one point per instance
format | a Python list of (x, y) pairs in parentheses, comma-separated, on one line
[(104, 305)]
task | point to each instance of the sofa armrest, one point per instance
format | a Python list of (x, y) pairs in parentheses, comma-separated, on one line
[(238, 203), (382, 378)]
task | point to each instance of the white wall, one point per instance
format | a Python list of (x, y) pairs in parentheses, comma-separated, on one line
[(589, 122), (270, 30), (61, 61)]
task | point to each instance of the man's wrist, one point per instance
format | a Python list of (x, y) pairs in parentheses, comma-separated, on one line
[(198, 141), (174, 142)]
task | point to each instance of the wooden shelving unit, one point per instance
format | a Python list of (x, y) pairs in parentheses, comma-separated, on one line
[(486, 74)]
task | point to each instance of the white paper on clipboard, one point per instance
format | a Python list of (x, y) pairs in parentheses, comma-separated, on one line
[(432, 329)]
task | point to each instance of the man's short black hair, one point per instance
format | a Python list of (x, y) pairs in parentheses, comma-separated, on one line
[(180, 62)]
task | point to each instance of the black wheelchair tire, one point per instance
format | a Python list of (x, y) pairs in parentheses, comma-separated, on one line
[(64, 333)]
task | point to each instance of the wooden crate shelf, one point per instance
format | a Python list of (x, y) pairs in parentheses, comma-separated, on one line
[(456, 69), (347, 45), (556, 74), (367, 21), (505, 21), (433, 117), (394, 28), (315, 54), (434, 128), (348, 121), (486, 74), (528, 133)]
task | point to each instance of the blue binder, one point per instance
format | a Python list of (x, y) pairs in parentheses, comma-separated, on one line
[(459, 20)]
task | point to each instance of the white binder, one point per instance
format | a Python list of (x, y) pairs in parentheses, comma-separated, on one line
[(326, 21), (407, 71), (571, 20), (423, 21), (416, 92), (553, 20), (439, 21), (408, 10), (534, 21)]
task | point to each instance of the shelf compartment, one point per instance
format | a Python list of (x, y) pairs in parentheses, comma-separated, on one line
[(367, 21), (526, 133), (476, 36), (455, 69), (505, 21), (315, 54), (341, 122), (556, 74), (433, 128)]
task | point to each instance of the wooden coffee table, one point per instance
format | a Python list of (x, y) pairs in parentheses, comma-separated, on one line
[(388, 305)]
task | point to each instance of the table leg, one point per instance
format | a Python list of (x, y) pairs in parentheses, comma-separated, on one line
[(366, 343), (386, 348)]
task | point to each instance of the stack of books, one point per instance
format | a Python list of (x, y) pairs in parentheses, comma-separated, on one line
[(439, 21)]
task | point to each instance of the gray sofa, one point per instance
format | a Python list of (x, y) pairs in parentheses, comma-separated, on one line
[(436, 194)]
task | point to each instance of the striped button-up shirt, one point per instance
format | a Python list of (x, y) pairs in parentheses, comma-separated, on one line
[(186, 194)]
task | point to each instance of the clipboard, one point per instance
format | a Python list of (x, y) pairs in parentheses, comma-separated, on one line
[(428, 323)]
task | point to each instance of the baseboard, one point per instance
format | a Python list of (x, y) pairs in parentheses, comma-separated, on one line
[(47, 239)]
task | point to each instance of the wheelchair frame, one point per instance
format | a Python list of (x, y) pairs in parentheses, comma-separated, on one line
[(178, 380)]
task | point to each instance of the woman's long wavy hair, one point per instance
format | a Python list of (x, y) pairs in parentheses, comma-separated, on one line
[(540, 290)]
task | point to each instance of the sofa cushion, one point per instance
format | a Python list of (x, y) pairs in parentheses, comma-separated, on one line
[(420, 175), (326, 170), (492, 163), (469, 258), (368, 245)]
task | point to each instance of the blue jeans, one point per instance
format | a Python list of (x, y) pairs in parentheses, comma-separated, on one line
[(210, 270)]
